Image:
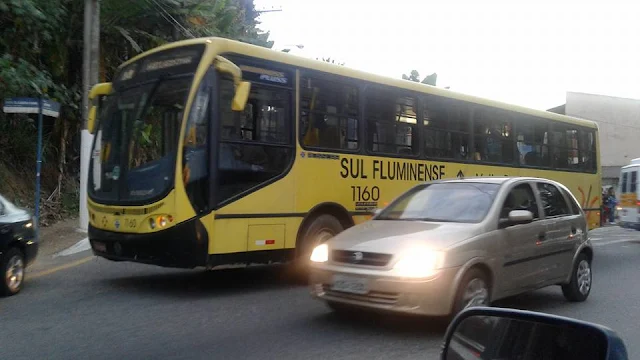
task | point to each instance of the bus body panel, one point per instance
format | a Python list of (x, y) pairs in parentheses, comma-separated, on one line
[(363, 183), (627, 194)]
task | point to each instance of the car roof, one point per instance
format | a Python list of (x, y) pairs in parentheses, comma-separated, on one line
[(492, 180)]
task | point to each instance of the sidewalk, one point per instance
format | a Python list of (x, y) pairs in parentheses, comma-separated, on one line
[(59, 236)]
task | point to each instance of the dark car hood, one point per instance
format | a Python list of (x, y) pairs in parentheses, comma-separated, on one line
[(12, 213)]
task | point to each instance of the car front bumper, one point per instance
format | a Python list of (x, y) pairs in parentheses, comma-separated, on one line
[(431, 296)]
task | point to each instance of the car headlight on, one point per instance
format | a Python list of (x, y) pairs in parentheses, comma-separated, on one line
[(320, 254), (419, 263)]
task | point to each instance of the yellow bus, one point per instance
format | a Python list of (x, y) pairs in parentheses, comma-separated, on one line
[(211, 152)]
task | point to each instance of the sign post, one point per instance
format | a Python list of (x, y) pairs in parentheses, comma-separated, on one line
[(38, 163), (41, 107)]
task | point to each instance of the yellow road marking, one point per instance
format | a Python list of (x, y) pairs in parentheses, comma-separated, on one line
[(58, 268)]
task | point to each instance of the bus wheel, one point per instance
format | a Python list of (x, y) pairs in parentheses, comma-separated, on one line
[(319, 230)]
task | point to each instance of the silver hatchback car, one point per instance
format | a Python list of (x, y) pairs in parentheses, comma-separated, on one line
[(446, 245)]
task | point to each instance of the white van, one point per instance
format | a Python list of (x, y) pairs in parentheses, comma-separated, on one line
[(628, 202)]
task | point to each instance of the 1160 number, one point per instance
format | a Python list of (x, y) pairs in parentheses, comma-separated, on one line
[(360, 193)]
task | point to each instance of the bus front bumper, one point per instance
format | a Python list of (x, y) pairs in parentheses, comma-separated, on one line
[(182, 246)]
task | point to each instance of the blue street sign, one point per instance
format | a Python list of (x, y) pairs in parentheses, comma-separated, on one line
[(31, 106)]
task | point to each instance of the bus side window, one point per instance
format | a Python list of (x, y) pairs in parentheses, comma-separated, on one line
[(565, 147), (623, 187), (587, 145), (446, 128), (493, 135), (533, 143), (392, 123), (328, 114)]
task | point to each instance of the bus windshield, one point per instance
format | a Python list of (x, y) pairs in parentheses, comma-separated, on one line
[(134, 152)]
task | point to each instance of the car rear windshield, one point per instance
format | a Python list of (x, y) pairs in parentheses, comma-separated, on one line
[(443, 202)]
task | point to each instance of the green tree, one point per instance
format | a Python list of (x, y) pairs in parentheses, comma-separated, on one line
[(414, 75), (41, 53)]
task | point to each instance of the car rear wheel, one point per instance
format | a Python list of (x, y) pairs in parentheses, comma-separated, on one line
[(13, 269), (473, 291), (579, 287)]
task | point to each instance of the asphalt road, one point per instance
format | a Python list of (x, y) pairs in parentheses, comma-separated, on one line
[(96, 309)]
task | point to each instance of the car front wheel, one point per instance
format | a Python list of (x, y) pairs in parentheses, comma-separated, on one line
[(13, 268), (473, 291)]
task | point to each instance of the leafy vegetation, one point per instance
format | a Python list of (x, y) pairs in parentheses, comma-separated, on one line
[(414, 75), (41, 45)]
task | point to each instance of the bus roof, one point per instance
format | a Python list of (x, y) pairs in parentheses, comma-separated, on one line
[(634, 163), (223, 45)]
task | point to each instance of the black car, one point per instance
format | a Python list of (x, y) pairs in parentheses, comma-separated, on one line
[(18, 246)]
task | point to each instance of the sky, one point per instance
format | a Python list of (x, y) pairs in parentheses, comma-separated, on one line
[(523, 52)]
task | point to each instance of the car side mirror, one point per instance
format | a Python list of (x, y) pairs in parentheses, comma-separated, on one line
[(520, 216), (376, 212), (490, 333), (517, 217)]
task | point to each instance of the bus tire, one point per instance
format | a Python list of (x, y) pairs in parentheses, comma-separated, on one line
[(316, 232)]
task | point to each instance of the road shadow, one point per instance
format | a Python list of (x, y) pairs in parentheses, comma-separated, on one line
[(375, 323), (539, 300), (200, 283)]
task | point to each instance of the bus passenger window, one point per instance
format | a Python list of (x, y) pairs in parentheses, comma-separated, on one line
[(533, 142), (391, 122), (255, 145), (446, 129), (565, 147), (328, 114), (587, 145), (493, 136)]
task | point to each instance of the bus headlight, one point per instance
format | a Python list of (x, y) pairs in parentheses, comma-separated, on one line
[(419, 263), (320, 254)]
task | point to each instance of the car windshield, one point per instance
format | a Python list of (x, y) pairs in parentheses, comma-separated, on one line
[(443, 202), (135, 147)]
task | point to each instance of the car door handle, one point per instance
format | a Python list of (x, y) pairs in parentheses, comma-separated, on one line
[(542, 236), (573, 232)]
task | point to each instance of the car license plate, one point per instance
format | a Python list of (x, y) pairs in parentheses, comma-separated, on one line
[(350, 284), (99, 246)]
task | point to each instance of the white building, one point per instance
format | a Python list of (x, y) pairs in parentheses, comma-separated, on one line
[(619, 125)]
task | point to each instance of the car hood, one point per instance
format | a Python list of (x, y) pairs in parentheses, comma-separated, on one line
[(394, 236), (12, 213)]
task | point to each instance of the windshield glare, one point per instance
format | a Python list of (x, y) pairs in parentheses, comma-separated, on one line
[(444, 202), (135, 146)]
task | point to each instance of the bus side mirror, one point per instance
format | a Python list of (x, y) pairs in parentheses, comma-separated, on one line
[(98, 91), (91, 119), (241, 96), (243, 88)]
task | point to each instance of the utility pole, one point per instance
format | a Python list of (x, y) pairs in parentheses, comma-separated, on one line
[(90, 70)]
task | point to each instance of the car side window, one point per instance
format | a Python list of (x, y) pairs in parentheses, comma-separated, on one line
[(521, 197), (575, 207), (553, 202)]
